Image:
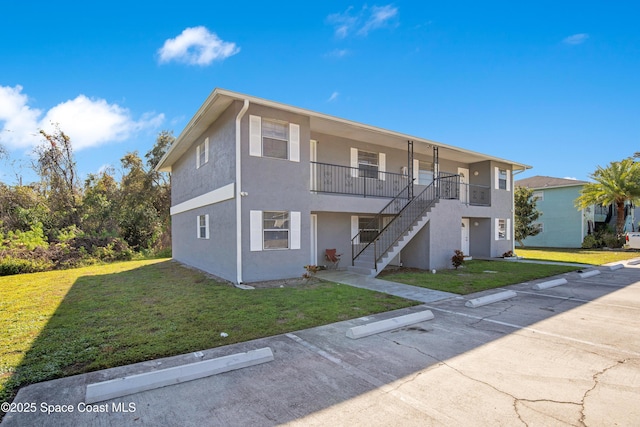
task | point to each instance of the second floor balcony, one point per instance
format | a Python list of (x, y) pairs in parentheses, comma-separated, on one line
[(370, 182)]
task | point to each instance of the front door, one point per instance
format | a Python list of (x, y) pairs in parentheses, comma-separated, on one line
[(464, 244), (464, 187)]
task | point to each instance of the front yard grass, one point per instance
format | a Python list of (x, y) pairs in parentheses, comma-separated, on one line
[(61, 323), (582, 256), (477, 275)]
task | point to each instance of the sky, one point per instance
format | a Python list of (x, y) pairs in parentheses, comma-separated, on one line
[(554, 85)]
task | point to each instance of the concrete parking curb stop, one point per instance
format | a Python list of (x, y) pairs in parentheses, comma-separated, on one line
[(616, 267), (488, 299), (549, 284), (124, 386), (388, 324), (590, 273)]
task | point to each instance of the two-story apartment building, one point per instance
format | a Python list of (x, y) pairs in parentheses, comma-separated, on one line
[(261, 189)]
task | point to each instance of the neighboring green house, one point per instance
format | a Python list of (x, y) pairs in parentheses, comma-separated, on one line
[(562, 225)]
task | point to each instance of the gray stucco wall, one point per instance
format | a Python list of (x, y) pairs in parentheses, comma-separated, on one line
[(275, 185), (334, 231), (216, 255), (188, 182)]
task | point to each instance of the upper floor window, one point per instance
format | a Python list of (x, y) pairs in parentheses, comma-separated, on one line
[(275, 139), (502, 179), (367, 164), (202, 153), (538, 196)]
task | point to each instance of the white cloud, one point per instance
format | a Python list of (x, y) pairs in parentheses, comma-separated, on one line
[(338, 53), (362, 22), (576, 39), (380, 16), (197, 46), (333, 96), (571, 177), (88, 122)]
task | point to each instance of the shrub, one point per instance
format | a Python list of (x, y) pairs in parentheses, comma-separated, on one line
[(458, 259), (10, 265), (590, 242)]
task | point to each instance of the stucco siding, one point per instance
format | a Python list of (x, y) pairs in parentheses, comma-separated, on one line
[(215, 255), (187, 181), (275, 185)]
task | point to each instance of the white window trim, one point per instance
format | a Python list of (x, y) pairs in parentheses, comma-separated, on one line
[(206, 225), (205, 147), (355, 164), (538, 196), (507, 231), (497, 178), (255, 139), (256, 237)]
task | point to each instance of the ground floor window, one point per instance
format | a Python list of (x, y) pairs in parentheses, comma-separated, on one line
[(203, 226), (368, 228), (275, 229), (503, 229)]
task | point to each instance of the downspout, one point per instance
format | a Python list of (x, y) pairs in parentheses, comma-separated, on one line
[(513, 209), (244, 109)]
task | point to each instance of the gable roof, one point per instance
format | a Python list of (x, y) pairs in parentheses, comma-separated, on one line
[(220, 99), (539, 182)]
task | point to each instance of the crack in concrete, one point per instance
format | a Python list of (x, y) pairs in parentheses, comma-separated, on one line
[(516, 399), (596, 382)]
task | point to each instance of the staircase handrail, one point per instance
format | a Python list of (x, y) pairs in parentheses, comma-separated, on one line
[(377, 218), (434, 187)]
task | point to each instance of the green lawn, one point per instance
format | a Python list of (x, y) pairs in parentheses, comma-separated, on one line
[(61, 323), (582, 256), (477, 276)]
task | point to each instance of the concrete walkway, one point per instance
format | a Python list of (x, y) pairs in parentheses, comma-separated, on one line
[(415, 293)]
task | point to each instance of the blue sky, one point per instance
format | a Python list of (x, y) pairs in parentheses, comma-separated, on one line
[(555, 85)]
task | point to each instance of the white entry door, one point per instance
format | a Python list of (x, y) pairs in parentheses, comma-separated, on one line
[(464, 187), (464, 244)]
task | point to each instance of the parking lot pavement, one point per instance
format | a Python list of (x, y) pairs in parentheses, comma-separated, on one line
[(567, 355)]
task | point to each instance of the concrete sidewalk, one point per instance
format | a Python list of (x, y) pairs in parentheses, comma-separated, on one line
[(568, 355), (414, 293)]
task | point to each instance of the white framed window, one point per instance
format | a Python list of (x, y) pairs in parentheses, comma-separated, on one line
[(503, 229), (367, 228), (274, 230), (202, 153), (275, 139), (368, 164), (538, 196), (502, 179), (202, 226)]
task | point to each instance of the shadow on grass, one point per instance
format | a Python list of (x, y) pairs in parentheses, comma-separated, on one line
[(165, 309), (151, 324)]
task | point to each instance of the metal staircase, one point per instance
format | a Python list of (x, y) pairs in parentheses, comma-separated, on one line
[(399, 222)]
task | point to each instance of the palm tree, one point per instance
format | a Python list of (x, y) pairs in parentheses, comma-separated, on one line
[(616, 184)]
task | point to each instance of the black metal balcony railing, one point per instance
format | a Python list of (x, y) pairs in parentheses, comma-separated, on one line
[(328, 178), (476, 195)]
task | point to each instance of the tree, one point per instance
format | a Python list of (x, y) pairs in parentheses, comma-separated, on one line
[(615, 185), (526, 213), (57, 169), (99, 204)]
